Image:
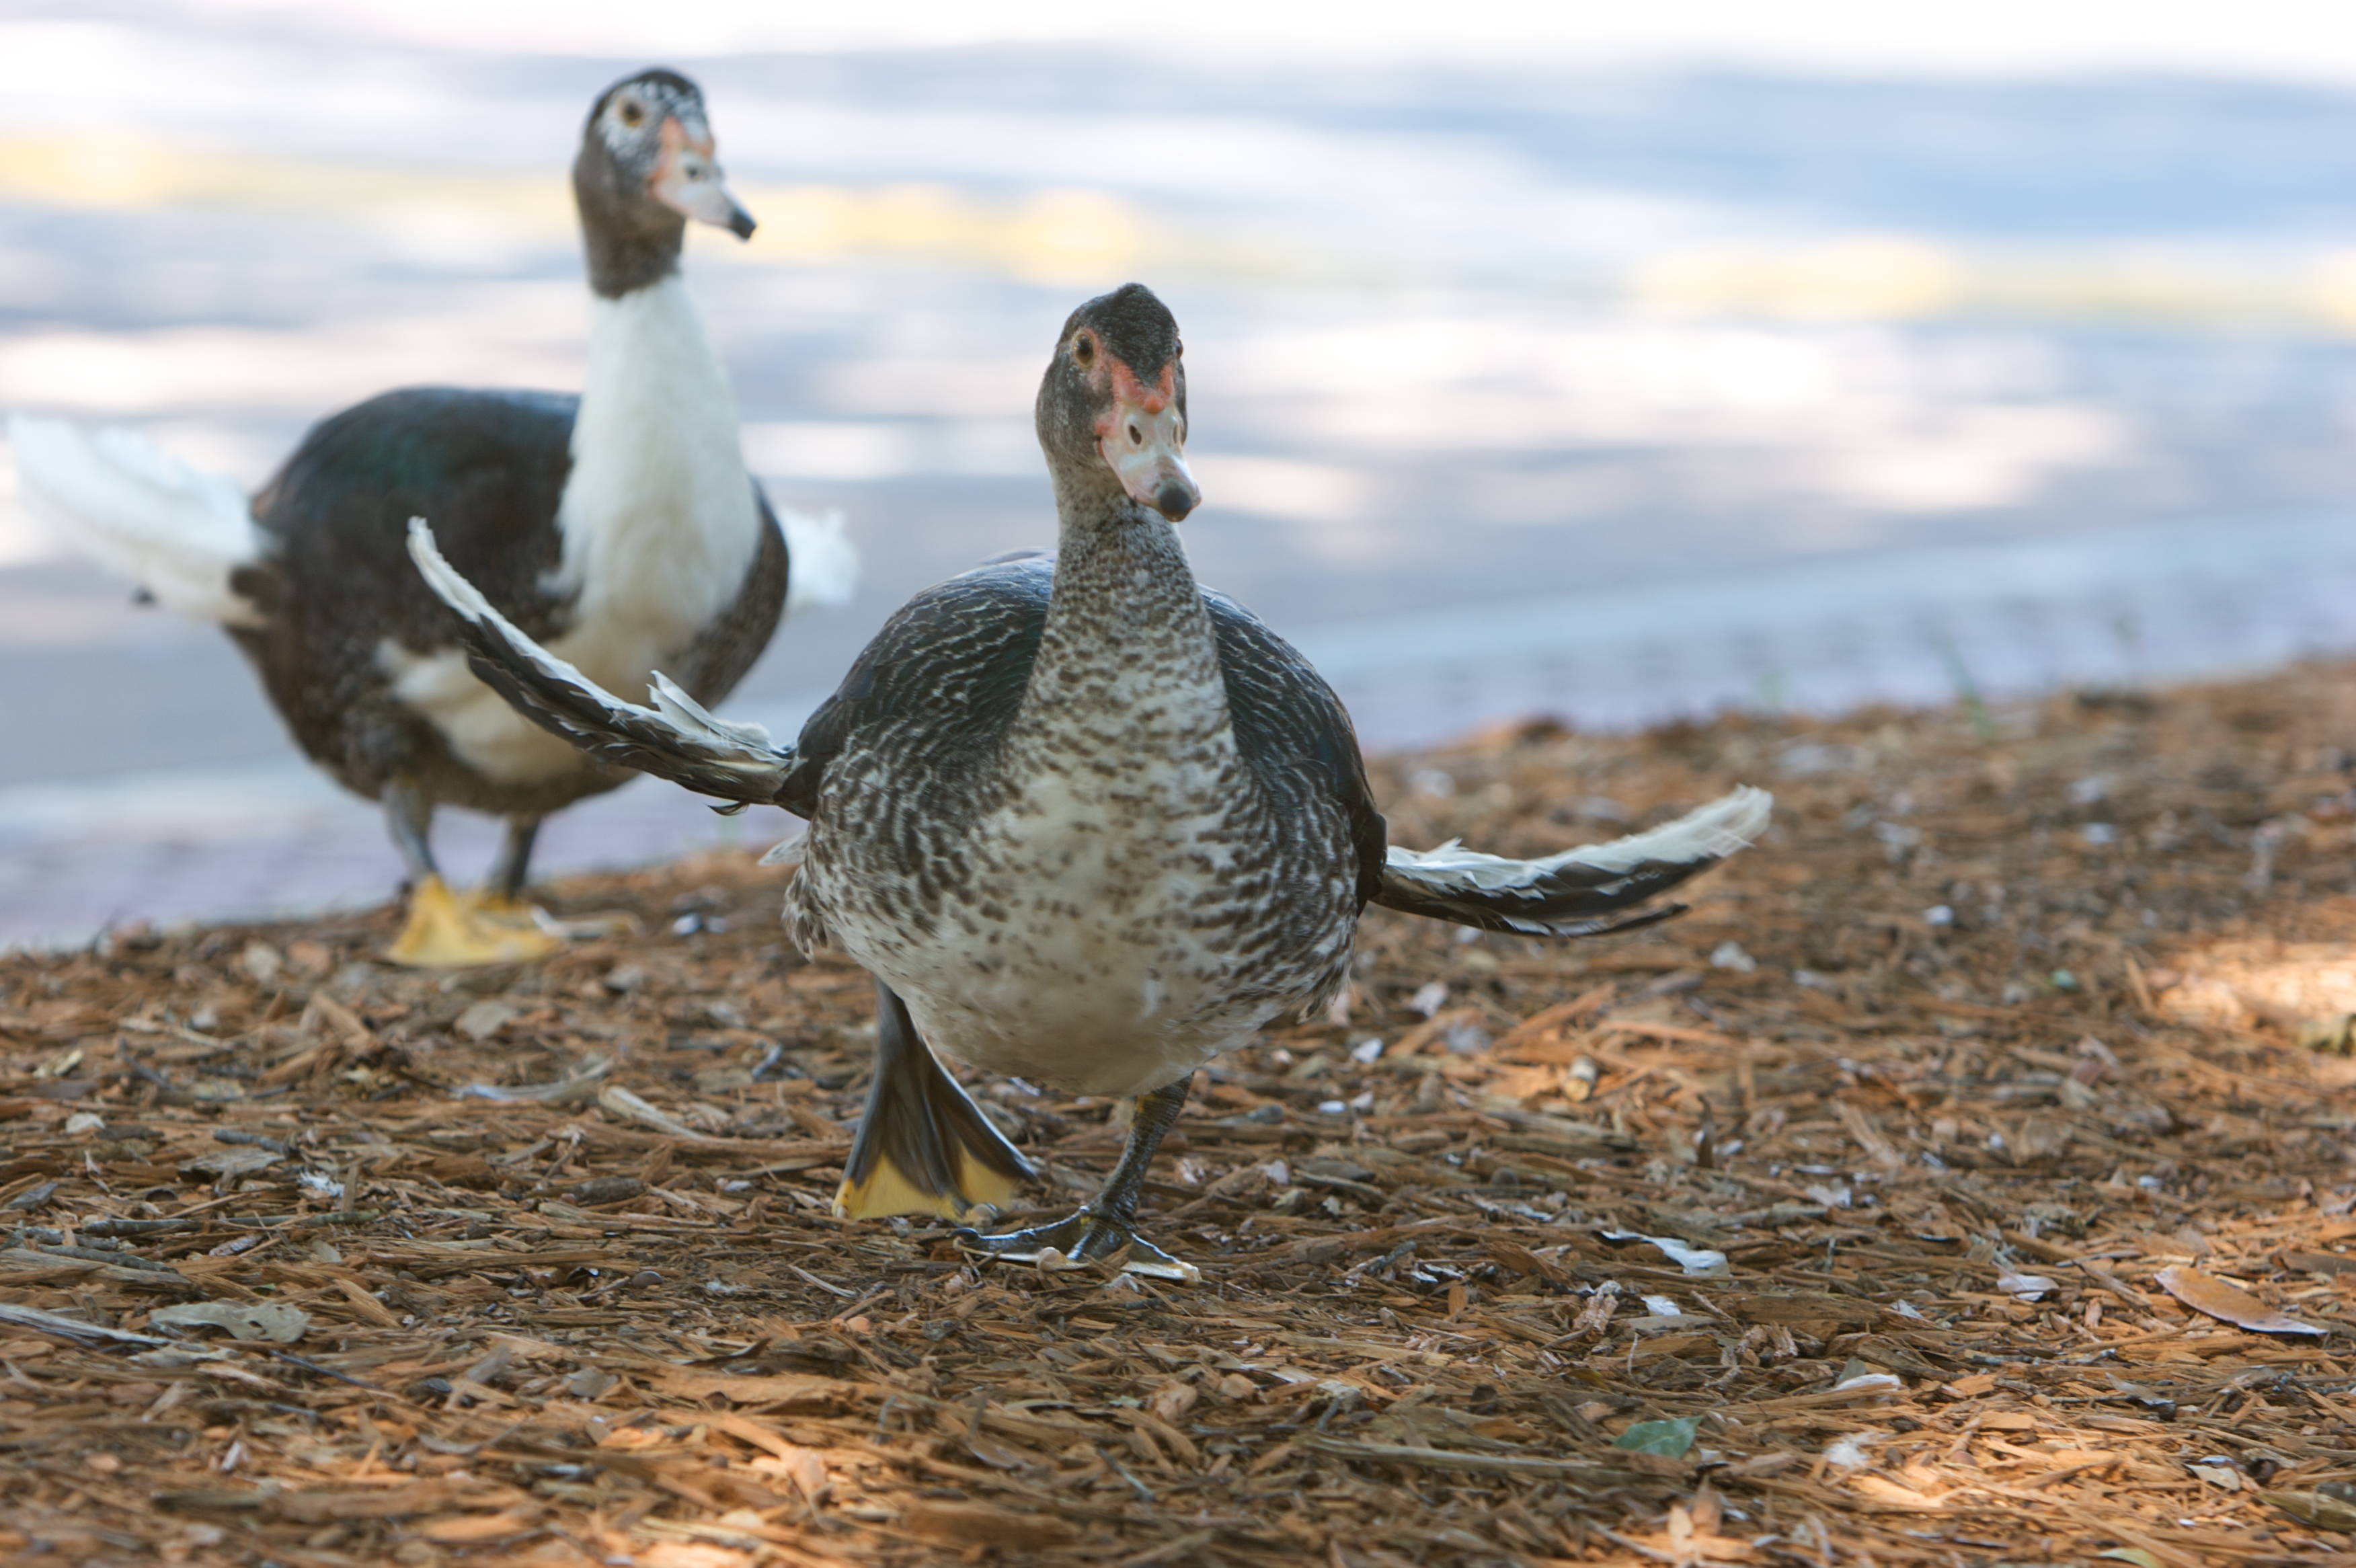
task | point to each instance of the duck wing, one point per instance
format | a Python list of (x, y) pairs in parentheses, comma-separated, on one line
[(1294, 734), (1581, 892), (951, 663), (675, 739)]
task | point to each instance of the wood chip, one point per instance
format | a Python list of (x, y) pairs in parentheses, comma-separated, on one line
[(573, 1290)]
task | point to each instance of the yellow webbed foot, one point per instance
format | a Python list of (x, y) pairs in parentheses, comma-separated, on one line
[(503, 910), (499, 908), (445, 931), (887, 1190)]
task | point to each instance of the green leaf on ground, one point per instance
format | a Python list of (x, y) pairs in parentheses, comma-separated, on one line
[(1668, 1438)]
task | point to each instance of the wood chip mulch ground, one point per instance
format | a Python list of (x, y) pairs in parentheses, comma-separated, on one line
[(1850, 1218)]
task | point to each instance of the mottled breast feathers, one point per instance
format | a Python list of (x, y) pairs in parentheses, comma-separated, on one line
[(942, 683)]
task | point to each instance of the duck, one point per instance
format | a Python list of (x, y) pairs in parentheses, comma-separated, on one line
[(619, 525), (1085, 822)]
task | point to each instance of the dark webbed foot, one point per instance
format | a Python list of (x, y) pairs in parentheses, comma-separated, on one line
[(924, 1148), (1086, 1237), (1106, 1224)]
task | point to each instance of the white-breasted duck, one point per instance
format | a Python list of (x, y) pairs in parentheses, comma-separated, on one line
[(620, 526), (1083, 820)]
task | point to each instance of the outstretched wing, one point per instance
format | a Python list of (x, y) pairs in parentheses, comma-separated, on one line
[(674, 739), (1582, 892)]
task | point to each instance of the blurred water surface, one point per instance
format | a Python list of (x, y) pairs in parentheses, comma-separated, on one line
[(1518, 387)]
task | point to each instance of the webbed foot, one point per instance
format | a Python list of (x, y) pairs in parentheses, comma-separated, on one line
[(500, 909), (1086, 1237), (924, 1148), (507, 910), (445, 931)]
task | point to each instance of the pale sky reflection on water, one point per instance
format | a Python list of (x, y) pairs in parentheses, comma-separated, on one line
[(1482, 307)]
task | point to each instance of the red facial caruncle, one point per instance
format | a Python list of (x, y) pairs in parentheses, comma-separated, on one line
[(1144, 437)]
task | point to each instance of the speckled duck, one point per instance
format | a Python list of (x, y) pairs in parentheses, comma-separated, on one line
[(620, 526), (1083, 820)]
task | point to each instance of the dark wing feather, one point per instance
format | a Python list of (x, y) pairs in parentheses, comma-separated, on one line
[(1293, 731), (1581, 892), (675, 739), (488, 467), (946, 675)]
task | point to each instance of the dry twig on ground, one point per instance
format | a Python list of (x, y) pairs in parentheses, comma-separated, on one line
[(1927, 1094)]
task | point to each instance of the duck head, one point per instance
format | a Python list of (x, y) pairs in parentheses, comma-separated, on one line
[(646, 167), (1112, 409)]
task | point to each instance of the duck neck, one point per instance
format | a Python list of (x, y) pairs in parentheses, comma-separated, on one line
[(658, 516), (1128, 656), (630, 242), (623, 260)]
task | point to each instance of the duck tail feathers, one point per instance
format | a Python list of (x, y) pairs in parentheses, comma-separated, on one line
[(1581, 892), (180, 533), (821, 564), (923, 1147), (675, 739)]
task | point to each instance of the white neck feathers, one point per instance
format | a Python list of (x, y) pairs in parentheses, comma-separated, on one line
[(658, 519)]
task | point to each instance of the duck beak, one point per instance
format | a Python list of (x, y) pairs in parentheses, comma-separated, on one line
[(1144, 440), (687, 180)]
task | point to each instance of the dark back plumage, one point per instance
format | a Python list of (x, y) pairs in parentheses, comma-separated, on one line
[(335, 581)]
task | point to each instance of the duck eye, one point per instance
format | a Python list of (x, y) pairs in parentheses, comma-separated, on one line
[(1135, 437), (634, 113), (1084, 349)]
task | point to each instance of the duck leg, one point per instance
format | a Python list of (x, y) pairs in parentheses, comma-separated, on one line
[(500, 898), (509, 872), (1108, 1222), (443, 930)]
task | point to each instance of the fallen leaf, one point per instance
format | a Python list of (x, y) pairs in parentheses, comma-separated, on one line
[(244, 1160), (1693, 1260), (483, 1019), (2229, 1304), (1670, 1439), (273, 1321), (2026, 1287)]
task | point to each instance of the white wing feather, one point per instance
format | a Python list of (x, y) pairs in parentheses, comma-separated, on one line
[(1706, 834), (136, 509), (822, 564)]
